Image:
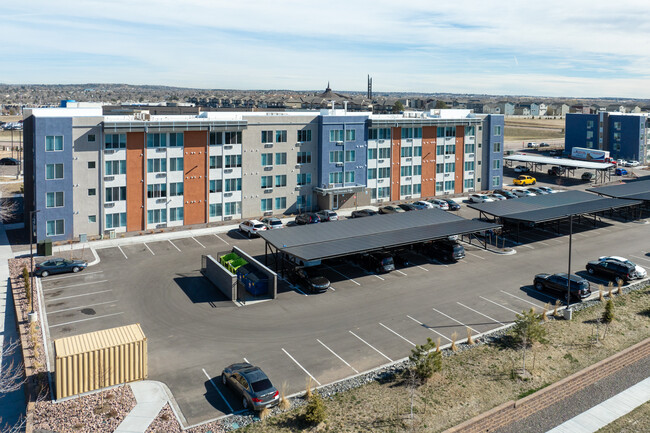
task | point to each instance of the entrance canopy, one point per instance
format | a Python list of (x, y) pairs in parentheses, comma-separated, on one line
[(351, 236), (637, 190), (550, 207)]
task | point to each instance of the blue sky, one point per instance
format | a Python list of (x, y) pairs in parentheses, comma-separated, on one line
[(551, 48)]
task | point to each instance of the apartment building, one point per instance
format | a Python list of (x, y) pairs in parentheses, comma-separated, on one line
[(90, 174)]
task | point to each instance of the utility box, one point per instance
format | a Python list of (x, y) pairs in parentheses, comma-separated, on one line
[(99, 359), (44, 248)]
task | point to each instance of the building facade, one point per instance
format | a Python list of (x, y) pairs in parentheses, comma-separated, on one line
[(90, 174)]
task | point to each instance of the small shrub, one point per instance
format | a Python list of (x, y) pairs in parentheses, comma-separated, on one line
[(454, 336), (284, 402), (600, 293), (608, 314), (425, 360), (315, 411), (544, 316), (470, 340), (265, 413), (164, 417), (438, 345), (557, 305), (619, 283), (308, 393)]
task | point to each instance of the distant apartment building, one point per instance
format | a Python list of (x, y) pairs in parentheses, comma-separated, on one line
[(625, 136), (88, 173)]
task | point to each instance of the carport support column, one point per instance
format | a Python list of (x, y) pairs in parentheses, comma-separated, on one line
[(568, 286)]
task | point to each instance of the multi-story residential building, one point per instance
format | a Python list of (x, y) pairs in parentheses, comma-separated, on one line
[(89, 173), (625, 136)]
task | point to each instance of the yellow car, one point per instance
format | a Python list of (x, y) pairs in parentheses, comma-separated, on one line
[(525, 180)]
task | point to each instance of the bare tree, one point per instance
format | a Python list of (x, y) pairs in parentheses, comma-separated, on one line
[(8, 209), (12, 376)]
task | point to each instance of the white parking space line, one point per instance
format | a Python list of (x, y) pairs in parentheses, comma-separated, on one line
[(400, 272), (147, 246), (439, 263), (641, 258), (521, 299), (73, 275), (457, 321), (527, 246), (370, 346), (79, 308), (408, 341), (531, 239), (84, 294), (343, 275), (241, 234), (215, 387), (482, 258), (478, 312), (334, 353), (169, 240), (219, 237), (198, 242), (429, 328), (85, 320), (122, 252), (497, 304), (424, 269), (381, 278), (75, 285), (303, 368), (604, 229)]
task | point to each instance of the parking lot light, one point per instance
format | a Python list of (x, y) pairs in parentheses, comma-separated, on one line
[(568, 284)]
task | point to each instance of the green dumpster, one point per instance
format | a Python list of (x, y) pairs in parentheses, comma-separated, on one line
[(236, 264), (228, 258)]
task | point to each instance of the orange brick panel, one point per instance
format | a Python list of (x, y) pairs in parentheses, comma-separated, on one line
[(429, 161), (195, 167), (135, 181)]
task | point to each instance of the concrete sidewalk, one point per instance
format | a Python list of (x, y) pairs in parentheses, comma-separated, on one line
[(151, 398)]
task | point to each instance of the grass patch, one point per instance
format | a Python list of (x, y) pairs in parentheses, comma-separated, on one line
[(531, 391)]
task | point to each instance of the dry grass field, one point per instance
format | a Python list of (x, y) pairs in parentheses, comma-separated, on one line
[(534, 129), (637, 421)]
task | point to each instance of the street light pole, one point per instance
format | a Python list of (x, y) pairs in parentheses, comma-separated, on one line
[(568, 285)]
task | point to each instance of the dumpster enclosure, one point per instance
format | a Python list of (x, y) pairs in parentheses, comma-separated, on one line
[(99, 359)]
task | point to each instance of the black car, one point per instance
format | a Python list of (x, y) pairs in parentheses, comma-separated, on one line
[(59, 266), (252, 384), (614, 270), (309, 279), (8, 161), (504, 192), (363, 213), (445, 249), (408, 207), (401, 258), (556, 170), (307, 218), (555, 152), (557, 283), (452, 204), (587, 176), (380, 262)]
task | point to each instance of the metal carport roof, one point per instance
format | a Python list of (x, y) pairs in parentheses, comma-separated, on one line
[(563, 162), (340, 238), (550, 206), (637, 190)]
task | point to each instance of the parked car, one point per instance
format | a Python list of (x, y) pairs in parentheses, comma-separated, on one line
[(587, 176), (59, 265), (542, 144), (557, 283), (532, 145), (546, 189), (391, 209), (407, 207), (638, 270), (363, 213), (272, 223), (496, 197), (380, 262), (401, 258), (537, 191), (523, 192), (8, 161), (522, 169), (621, 162), (555, 152), (556, 170), (631, 163), (506, 193), (327, 215), (423, 204), (613, 270), (307, 218), (438, 203), (310, 279), (620, 172), (452, 204), (252, 384), (479, 198), (251, 227), (444, 249), (525, 180)]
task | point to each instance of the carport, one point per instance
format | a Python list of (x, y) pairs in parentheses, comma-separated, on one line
[(551, 208), (635, 190), (315, 242), (534, 162)]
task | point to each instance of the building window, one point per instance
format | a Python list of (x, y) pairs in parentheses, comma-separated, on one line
[(405, 190), (590, 124), (469, 183), (267, 136), (156, 216), (303, 179), (336, 177), (54, 199), (349, 177), (496, 181), (114, 220), (590, 134), (304, 157), (233, 185), (417, 150), (449, 184), (350, 155), (215, 210), (157, 165), (116, 193), (439, 186), (267, 182), (336, 135), (407, 132), (267, 204), (379, 134), (407, 152), (383, 172), (115, 167), (91, 138), (54, 228), (216, 185), (267, 159), (350, 135), (617, 126), (92, 192), (281, 158), (469, 147), (232, 137), (176, 140), (496, 164), (115, 141), (91, 164), (450, 149), (175, 164), (156, 190), (303, 201), (417, 188), (53, 143), (233, 208), (384, 153), (156, 140), (176, 214), (53, 171), (440, 167), (450, 131), (383, 192), (406, 170), (450, 167), (336, 156), (497, 131), (304, 135), (590, 144), (175, 189), (497, 146), (216, 162), (281, 180), (617, 136), (469, 165), (281, 136), (372, 173), (440, 149), (280, 202), (469, 131), (417, 170), (233, 161), (92, 219), (216, 138), (372, 153)]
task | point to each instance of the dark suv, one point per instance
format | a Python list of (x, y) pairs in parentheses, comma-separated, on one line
[(504, 192), (380, 262), (612, 269), (557, 283), (307, 218), (309, 279), (445, 249)]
